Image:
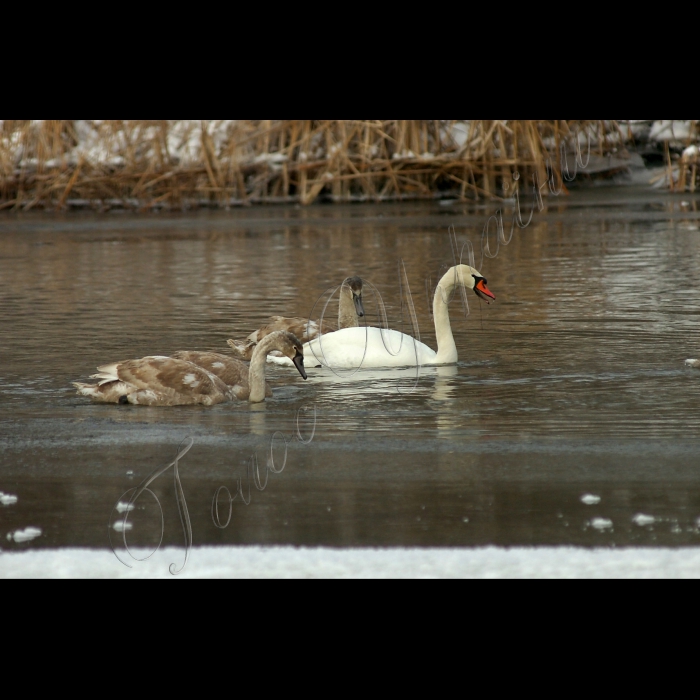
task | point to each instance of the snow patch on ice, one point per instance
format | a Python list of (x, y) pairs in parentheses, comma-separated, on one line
[(122, 507), (642, 520), (121, 526), (601, 523), (7, 499), (590, 499), (26, 535)]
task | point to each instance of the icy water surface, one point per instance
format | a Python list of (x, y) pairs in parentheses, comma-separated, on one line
[(569, 415)]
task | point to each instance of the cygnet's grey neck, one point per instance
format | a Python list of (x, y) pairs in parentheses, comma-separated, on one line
[(347, 305), (256, 373)]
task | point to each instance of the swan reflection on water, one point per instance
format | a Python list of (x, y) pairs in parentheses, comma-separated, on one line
[(398, 380)]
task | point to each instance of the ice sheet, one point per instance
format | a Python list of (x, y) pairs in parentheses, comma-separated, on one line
[(293, 562)]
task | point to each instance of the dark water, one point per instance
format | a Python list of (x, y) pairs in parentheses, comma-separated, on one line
[(572, 383)]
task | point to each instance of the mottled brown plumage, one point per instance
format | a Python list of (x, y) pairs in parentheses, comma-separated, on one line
[(350, 309), (234, 373), (156, 381), (190, 377)]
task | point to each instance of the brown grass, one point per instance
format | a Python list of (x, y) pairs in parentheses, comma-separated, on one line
[(688, 175), (178, 164)]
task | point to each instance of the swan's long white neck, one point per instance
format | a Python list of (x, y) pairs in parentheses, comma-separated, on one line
[(458, 276), (256, 373)]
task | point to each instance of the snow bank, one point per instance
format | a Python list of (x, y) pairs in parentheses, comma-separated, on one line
[(292, 562), (671, 130)]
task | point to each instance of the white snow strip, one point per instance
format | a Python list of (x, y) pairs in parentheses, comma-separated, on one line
[(294, 562), (590, 499), (7, 499), (642, 520)]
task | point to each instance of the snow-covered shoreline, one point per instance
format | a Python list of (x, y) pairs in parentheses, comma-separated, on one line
[(323, 562), (178, 164)]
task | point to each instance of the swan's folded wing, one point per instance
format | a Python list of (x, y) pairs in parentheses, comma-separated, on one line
[(244, 349), (367, 347), (302, 328), (274, 323), (170, 376), (232, 372)]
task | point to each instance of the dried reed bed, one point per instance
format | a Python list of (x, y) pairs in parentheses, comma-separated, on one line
[(183, 164), (688, 172)]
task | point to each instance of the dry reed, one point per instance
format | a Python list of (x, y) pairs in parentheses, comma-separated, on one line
[(183, 164), (688, 171)]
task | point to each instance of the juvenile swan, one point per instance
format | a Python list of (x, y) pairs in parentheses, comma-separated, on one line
[(248, 381), (370, 347), (350, 310), (191, 377)]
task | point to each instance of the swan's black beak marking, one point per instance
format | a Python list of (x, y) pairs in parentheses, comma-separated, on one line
[(299, 364), (357, 298)]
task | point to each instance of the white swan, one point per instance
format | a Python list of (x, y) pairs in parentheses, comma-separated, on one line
[(350, 310), (188, 378), (369, 347)]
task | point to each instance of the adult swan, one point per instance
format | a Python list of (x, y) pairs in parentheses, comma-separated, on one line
[(370, 347)]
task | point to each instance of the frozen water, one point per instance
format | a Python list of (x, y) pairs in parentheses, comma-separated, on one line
[(122, 507), (601, 523), (307, 562), (590, 499), (641, 519), (7, 499)]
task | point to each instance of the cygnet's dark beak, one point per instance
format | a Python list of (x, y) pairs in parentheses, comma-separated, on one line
[(358, 305), (299, 364)]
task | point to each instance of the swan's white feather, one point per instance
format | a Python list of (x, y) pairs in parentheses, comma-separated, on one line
[(375, 348), (364, 347)]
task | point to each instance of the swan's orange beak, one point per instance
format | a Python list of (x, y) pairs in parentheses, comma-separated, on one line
[(482, 291)]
